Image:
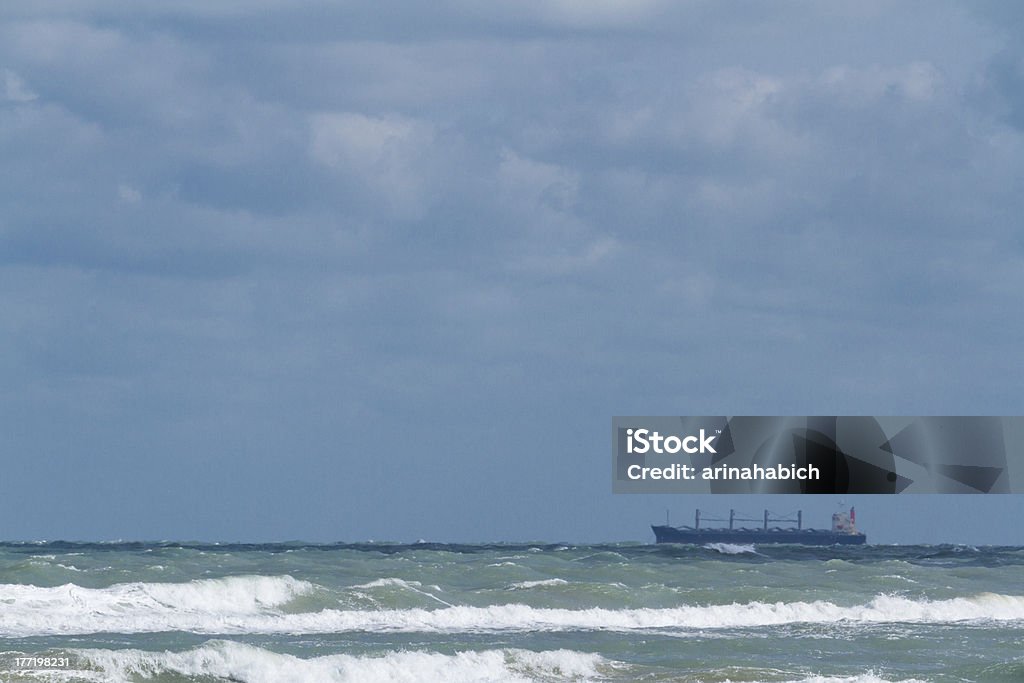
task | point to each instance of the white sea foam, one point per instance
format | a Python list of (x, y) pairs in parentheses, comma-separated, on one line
[(869, 677), (232, 661), (253, 604), (414, 586), (225, 660), (526, 585), (389, 582), (731, 548), (897, 576)]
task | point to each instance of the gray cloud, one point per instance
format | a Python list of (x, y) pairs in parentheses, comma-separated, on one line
[(344, 258)]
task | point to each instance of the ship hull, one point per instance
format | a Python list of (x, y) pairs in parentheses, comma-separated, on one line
[(671, 534)]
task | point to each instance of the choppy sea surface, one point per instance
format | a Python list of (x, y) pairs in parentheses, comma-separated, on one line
[(509, 612)]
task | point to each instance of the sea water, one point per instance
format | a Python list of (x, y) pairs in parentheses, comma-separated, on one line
[(509, 612)]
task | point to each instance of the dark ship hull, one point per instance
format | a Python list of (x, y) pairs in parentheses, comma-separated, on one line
[(671, 534)]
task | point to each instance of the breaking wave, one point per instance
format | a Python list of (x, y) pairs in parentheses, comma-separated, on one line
[(229, 595), (232, 661), (225, 660), (257, 604)]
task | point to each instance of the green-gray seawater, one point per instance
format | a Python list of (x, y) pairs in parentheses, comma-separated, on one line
[(509, 612)]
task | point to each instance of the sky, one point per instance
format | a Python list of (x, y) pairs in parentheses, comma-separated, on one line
[(386, 270)]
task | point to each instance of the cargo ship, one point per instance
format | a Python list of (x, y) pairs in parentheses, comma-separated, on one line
[(843, 532)]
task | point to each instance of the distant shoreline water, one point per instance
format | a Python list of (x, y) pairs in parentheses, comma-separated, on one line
[(455, 546)]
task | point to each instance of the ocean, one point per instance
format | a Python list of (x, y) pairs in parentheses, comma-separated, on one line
[(509, 612)]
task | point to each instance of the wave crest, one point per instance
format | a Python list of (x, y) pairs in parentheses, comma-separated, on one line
[(228, 660), (731, 548), (240, 605)]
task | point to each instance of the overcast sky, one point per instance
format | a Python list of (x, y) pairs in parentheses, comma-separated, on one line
[(387, 269)]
